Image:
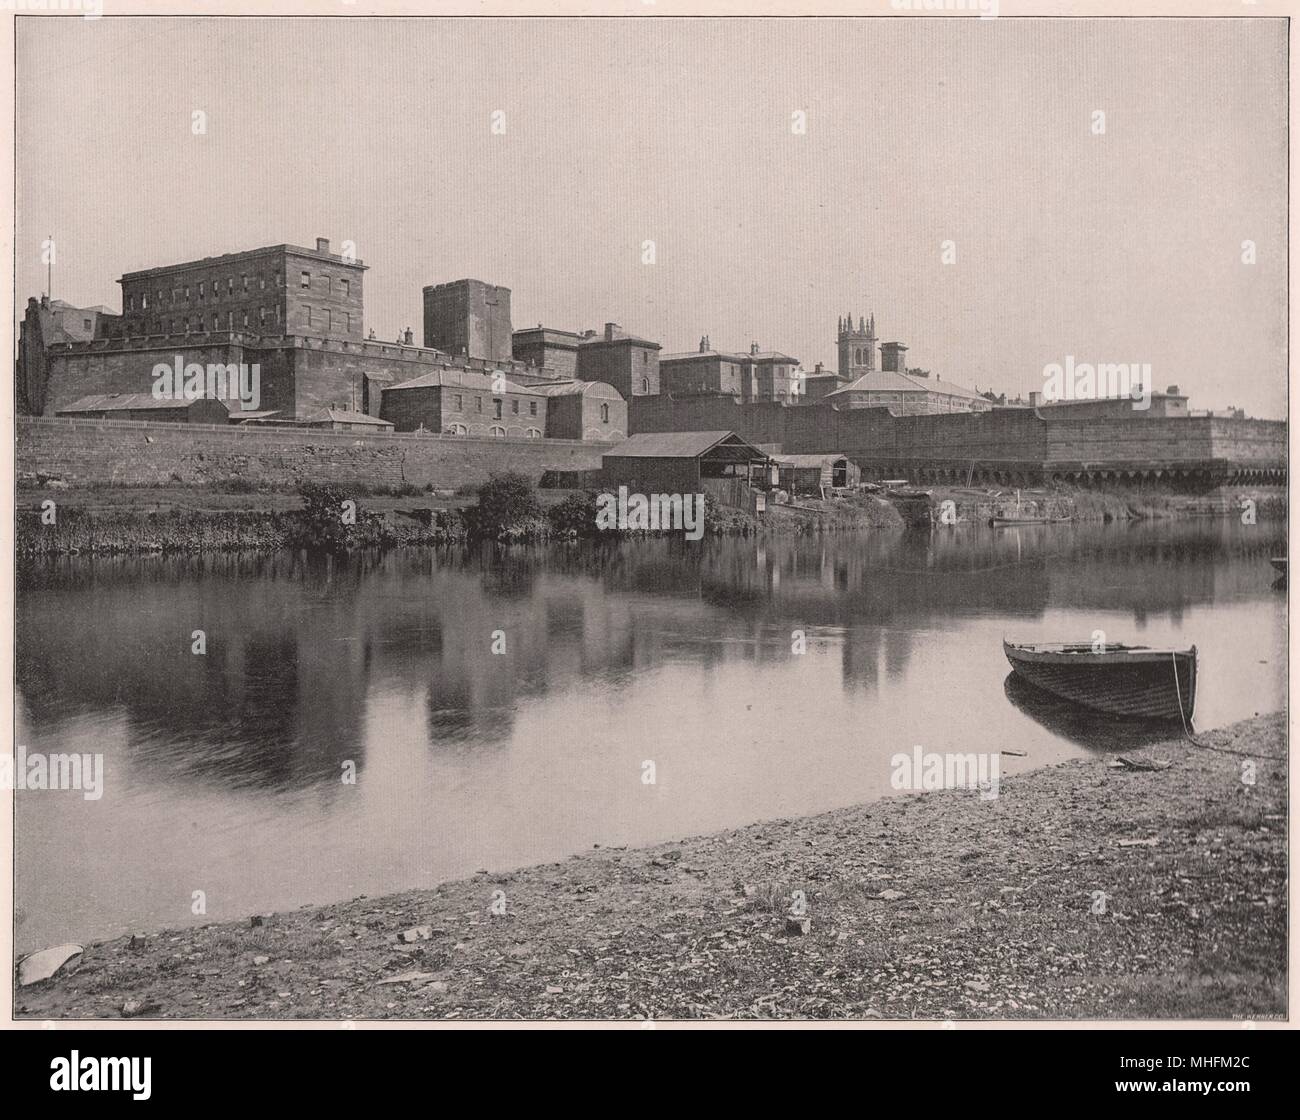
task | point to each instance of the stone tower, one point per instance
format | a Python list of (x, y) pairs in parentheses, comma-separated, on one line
[(470, 319), (857, 348)]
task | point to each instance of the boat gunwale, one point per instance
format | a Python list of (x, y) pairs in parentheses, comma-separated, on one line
[(1083, 654)]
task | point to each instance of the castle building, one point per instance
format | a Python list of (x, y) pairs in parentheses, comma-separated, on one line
[(278, 289), (470, 319)]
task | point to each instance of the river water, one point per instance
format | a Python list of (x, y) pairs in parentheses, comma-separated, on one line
[(225, 772)]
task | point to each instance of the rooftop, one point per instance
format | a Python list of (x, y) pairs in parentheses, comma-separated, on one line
[(227, 258), (683, 445), (887, 381), (123, 402)]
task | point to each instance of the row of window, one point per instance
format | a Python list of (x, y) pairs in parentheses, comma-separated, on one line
[(183, 292), (496, 432), (265, 316), (458, 401)]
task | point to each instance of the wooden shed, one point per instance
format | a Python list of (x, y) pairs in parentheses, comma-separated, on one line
[(811, 474), (678, 462)]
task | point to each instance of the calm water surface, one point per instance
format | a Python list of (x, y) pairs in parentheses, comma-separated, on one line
[(223, 772)]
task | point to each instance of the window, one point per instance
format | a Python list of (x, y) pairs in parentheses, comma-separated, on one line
[(158, 296), (277, 313), (514, 407), (85, 324), (478, 404), (230, 320), (329, 319), (243, 283), (497, 406), (261, 316), (460, 406), (278, 281), (261, 282), (532, 408), (144, 301), (245, 318), (645, 384), (347, 322), (200, 289), (497, 432), (344, 288), (533, 433), (328, 285), (457, 430), (187, 291), (604, 414), (130, 303), (304, 280), (230, 285), (307, 315), (215, 321), (645, 357)]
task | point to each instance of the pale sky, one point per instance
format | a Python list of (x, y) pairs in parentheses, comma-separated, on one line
[(1120, 247)]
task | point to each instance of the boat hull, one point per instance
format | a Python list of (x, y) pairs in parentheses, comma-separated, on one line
[(1142, 684)]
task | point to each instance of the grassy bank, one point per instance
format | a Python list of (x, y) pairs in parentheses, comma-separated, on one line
[(938, 905), (128, 520)]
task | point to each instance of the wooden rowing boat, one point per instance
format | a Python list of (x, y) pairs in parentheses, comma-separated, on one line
[(1279, 563), (1135, 681), (1004, 522)]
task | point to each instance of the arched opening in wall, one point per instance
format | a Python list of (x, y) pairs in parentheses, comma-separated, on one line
[(533, 433), (497, 432), (457, 430)]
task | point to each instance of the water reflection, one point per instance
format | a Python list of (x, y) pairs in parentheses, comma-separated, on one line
[(1095, 731), (224, 768)]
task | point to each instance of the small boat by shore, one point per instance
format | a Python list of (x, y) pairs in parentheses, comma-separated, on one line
[(1279, 564), (1135, 681), (1004, 522)]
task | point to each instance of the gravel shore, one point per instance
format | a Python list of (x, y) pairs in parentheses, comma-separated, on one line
[(1084, 890)]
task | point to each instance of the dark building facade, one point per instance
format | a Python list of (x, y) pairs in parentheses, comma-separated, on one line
[(468, 318), (465, 403), (760, 375), (279, 289), (629, 363), (548, 350), (587, 410)]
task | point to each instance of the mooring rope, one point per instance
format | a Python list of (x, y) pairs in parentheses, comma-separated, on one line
[(1205, 746)]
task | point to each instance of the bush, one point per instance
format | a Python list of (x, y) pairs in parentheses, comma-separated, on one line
[(322, 523), (505, 503)]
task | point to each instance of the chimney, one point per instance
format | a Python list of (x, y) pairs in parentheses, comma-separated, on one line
[(1172, 391), (817, 368), (612, 331), (407, 336), (1035, 399), (893, 357), (753, 347), (704, 343), (322, 244)]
